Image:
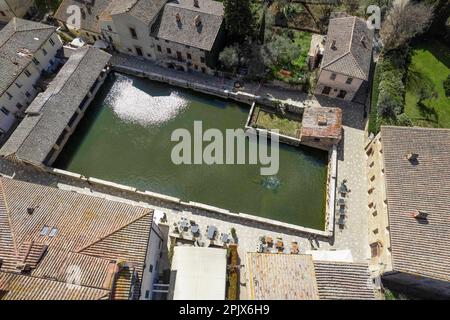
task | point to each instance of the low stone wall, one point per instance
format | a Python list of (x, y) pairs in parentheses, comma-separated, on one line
[(149, 197), (284, 85)]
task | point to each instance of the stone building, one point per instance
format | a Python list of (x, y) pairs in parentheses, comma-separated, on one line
[(179, 34), (14, 8), (347, 59), (53, 116), (27, 50), (299, 277), (62, 245), (409, 216)]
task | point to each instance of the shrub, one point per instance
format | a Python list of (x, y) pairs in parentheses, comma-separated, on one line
[(229, 57), (391, 94), (447, 86)]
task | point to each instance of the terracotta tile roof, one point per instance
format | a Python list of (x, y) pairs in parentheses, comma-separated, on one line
[(281, 277), (418, 247), (352, 51), (53, 231), (298, 277), (20, 287)]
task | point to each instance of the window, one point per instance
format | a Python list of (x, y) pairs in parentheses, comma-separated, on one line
[(5, 111), (44, 52), (375, 249), (179, 56), (349, 80), (342, 94), (110, 39), (159, 48), (202, 59), (149, 55), (95, 38), (2, 14), (129, 50), (35, 61), (133, 33), (169, 51), (45, 230), (333, 76), (27, 73), (147, 294), (326, 90), (189, 56), (9, 95), (151, 268), (28, 94), (167, 41), (18, 85), (52, 42), (203, 70), (139, 51), (19, 106)]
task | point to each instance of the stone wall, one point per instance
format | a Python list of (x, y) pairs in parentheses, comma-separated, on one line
[(134, 194)]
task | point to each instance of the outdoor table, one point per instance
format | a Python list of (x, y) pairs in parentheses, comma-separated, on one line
[(184, 224), (225, 238)]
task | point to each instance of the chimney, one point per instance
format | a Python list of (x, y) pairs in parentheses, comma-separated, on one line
[(198, 21), (363, 41), (322, 121), (413, 158), (196, 4)]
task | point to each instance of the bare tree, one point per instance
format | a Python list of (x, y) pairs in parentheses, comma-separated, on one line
[(405, 20)]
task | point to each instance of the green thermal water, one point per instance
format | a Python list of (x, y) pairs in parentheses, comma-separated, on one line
[(125, 138)]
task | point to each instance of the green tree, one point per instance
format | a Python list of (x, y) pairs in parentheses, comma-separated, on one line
[(239, 19)]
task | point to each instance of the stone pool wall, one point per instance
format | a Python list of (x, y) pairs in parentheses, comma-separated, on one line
[(150, 197)]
